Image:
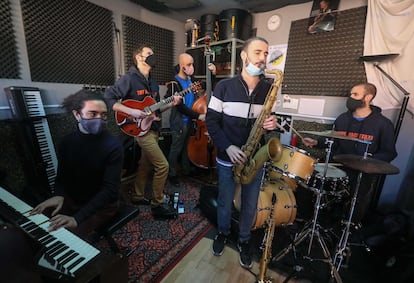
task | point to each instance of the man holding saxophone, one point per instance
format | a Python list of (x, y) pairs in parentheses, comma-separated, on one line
[(233, 109)]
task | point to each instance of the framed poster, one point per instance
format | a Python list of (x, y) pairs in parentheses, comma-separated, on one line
[(277, 57), (323, 16)]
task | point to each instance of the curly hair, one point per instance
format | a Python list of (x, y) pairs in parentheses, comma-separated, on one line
[(77, 100)]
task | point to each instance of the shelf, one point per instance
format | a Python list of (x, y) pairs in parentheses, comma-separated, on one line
[(220, 42), (233, 49)]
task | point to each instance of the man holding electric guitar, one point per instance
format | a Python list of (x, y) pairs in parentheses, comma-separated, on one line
[(135, 99)]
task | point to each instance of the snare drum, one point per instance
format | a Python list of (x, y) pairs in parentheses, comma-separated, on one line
[(335, 180), (296, 164), (284, 209)]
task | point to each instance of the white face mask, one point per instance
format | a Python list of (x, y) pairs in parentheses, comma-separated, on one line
[(253, 70)]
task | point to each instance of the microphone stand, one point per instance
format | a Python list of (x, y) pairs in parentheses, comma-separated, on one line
[(404, 104)]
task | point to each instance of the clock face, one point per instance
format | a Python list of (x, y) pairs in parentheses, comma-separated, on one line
[(274, 22)]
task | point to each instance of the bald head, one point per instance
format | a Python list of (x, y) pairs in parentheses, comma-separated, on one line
[(185, 61)]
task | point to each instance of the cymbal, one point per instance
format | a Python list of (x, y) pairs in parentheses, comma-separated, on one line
[(335, 135), (366, 165), (378, 58)]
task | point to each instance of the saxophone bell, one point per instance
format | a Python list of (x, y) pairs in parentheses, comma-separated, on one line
[(272, 150)]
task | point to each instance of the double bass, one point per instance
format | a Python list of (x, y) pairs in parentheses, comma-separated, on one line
[(201, 150)]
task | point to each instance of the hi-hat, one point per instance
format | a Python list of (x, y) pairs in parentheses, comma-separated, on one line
[(378, 58), (335, 135), (366, 165)]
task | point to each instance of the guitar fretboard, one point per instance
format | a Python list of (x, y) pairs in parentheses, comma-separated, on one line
[(151, 109)]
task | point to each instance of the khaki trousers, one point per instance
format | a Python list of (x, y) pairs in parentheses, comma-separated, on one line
[(152, 158)]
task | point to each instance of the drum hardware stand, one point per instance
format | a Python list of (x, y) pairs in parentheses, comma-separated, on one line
[(343, 249), (297, 267), (315, 229)]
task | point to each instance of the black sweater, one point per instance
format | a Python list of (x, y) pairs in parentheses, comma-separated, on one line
[(375, 128), (89, 171)]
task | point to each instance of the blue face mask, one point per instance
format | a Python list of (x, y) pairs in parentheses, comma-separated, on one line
[(93, 126), (254, 70)]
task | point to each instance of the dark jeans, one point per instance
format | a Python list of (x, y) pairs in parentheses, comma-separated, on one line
[(249, 198), (178, 148)]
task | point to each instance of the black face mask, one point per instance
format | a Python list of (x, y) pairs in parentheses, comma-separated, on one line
[(150, 60), (353, 104)]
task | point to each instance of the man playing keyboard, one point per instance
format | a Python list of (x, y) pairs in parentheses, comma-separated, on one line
[(88, 178)]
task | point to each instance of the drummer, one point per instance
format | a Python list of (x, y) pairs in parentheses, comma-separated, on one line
[(365, 122)]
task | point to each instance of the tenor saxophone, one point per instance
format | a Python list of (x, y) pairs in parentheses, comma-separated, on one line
[(267, 244), (244, 173)]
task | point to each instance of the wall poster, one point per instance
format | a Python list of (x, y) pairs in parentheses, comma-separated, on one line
[(323, 16)]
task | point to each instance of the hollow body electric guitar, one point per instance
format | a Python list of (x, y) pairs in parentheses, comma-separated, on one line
[(140, 126)]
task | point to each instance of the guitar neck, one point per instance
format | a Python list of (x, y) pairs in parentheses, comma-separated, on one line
[(151, 109)]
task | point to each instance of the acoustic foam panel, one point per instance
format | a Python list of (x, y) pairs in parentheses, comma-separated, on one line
[(326, 63), (69, 41), (9, 62), (161, 40)]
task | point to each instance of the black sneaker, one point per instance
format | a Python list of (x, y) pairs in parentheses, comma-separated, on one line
[(164, 211), (218, 244), (174, 181), (245, 258)]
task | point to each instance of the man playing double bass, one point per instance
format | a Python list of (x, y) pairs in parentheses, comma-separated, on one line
[(181, 116)]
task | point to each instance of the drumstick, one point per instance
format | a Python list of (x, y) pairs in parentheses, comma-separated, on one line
[(296, 132)]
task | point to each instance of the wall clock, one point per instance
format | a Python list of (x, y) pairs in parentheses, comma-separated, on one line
[(273, 23)]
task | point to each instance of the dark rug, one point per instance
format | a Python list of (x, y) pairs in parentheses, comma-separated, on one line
[(157, 245)]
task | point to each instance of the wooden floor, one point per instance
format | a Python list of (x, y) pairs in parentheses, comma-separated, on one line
[(201, 266)]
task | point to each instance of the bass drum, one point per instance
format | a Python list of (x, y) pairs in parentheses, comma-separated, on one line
[(284, 209)]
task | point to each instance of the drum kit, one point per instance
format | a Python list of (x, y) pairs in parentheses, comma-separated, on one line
[(327, 182)]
